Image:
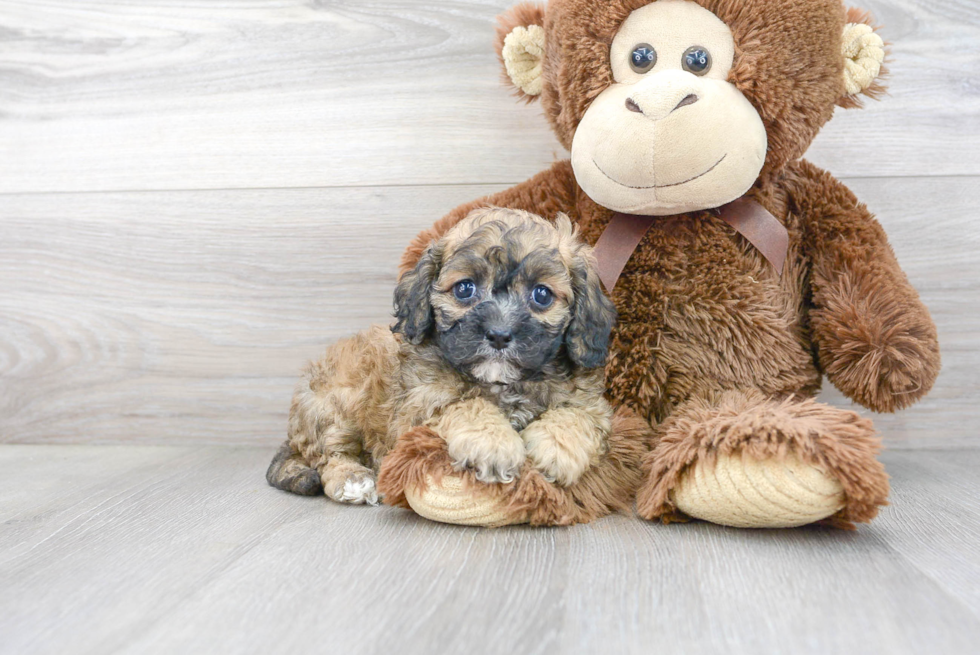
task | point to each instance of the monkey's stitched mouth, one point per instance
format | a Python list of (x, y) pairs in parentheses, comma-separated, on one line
[(661, 186)]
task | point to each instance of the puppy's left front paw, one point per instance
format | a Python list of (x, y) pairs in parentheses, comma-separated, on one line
[(560, 458)]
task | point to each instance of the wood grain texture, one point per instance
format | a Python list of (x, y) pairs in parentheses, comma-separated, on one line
[(185, 317), (127, 549), (110, 95)]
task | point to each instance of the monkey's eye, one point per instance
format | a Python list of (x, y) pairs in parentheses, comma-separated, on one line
[(541, 296), (464, 289), (643, 58), (696, 60)]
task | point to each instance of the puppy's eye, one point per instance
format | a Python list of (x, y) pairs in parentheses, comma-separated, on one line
[(643, 58), (541, 296), (464, 289), (696, 60)]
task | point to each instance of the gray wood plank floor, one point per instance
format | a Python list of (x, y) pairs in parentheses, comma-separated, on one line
[(108, 549)]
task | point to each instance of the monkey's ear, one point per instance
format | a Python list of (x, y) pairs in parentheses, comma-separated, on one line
[(593, 316), (520, 47), (413, 307), (864, 55)]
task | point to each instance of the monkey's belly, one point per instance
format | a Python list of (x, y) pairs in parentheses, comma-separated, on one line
[(695, 346)]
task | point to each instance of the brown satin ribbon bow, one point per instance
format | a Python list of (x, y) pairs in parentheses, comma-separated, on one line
[(750, 219)]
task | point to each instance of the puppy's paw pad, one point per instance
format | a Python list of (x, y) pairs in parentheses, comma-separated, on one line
[(358, 490)]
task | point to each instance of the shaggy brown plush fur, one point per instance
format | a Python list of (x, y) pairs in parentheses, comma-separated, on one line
[(607, 487), (877, 342), (701, 312)]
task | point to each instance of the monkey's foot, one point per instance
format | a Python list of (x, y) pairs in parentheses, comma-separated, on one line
[(451, 501), (748, 461)]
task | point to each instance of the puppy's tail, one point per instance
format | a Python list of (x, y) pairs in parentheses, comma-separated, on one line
[(290, 472)]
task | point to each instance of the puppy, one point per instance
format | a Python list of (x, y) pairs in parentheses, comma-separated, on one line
[(499, 342)]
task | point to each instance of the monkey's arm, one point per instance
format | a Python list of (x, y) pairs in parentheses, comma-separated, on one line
[(547, 193), (874, 337)]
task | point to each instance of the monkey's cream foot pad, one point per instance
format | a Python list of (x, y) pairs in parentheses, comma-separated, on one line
[(418, 475), (451, 500), (746, 460), (743, 492)]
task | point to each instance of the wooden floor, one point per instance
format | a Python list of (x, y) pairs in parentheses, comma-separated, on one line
[(143, 549)]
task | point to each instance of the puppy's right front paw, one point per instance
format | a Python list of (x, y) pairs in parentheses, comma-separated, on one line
[(492, 456)]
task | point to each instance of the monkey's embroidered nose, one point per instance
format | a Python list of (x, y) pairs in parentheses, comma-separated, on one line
[(689, 99)]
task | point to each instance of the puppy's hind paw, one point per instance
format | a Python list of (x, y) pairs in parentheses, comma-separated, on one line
[(357, 489), (360, 491)]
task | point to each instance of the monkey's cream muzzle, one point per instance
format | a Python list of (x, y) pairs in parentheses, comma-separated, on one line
[(696, 143)]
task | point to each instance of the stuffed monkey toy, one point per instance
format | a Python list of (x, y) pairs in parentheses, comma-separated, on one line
[(741, 273)]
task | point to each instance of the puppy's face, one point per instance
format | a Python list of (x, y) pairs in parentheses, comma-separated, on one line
[(503, 294), (501, 303)]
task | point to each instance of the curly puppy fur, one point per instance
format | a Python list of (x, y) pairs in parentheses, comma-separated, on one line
[(500, 336)]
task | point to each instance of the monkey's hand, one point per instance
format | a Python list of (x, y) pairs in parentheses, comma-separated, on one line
[(565, 441), (877, 343), (875, 339), (480, 438)]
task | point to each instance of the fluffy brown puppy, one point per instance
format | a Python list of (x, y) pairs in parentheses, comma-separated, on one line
[(501, 335)]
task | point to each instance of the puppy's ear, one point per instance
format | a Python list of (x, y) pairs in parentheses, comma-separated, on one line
[(593, 317), (413, 308)]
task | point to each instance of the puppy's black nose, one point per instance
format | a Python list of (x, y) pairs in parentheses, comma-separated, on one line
[(499, 339)]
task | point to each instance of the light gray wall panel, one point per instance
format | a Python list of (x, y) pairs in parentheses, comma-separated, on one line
[(197, 95), (177, 317)]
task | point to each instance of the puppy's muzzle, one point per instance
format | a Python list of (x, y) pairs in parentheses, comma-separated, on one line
[(499, 319)]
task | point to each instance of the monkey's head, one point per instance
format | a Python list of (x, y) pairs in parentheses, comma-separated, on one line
[(504, 294), (670, 106)]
